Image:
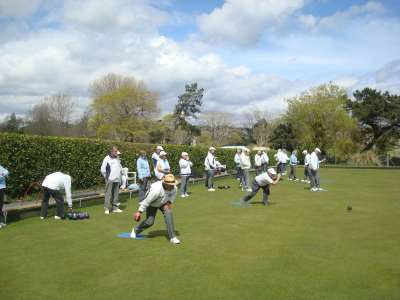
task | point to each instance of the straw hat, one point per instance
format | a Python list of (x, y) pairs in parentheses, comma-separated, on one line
[(169, 179)]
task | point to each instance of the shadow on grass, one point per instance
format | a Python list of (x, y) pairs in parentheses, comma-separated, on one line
[(157, 233)]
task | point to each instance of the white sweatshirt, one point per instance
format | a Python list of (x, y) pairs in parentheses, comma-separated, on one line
[(111, 169), (307, 159), (185, 166), (209, 162), (245, 162), (314, 161), (257, 160), (59, 181), (263, 179), (264, 158), (157, 196)]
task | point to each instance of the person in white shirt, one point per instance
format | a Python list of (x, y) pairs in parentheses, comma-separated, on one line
[(52, 185), (237, 164), (111, 170), (262, 181), (156, 155), (245, 165), (162, 167), (160, 197), (185, 166), (264, 161), (210, 166), (282, 159), (258, 162), (307, 158), (314, 170)]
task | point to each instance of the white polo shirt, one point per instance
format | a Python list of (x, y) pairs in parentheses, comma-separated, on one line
[(157, 196), (59, 181), (263, 179)]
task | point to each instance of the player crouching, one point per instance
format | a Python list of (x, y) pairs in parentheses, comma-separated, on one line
[(160, 197)]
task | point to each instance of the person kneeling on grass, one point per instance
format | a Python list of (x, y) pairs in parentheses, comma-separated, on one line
[(160, 197), (262, 181), (52, 185)]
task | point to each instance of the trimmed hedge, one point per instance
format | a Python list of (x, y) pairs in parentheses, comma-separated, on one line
[(30, 158)]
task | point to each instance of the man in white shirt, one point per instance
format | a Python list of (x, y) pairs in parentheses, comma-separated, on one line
[(307, 158), (282, 159), (258, 162), (245, 165), (160, 197), (111, 170), (185, 166), (210, 167), (52, 185), (314, 170), (262, 181), (264, 161)]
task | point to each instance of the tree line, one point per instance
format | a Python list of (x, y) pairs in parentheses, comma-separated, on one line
[(123, 108)]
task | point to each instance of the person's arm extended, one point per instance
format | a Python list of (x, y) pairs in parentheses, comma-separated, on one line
[(151, 196), (103, 167)]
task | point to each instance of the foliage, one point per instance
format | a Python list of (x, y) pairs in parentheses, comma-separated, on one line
[(187, 108), (12, 124), (284, 137), (379, 117), (367, 158), (124, 113), (319, 119)]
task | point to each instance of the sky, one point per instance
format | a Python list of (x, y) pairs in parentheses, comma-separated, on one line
[(246, 54)]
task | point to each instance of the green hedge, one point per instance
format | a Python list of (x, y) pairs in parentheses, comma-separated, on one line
[(30, 158)]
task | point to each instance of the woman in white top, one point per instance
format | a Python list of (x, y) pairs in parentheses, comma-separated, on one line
[(162, 167), (258, 162), (185, 165)]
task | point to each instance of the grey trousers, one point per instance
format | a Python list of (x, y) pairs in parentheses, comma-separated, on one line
[(246, 179), (143, 187), (306, 173), (184, 183), (111, 195), (292, 174), (254, 189), (264, 167), (151, 213), (314, 178), (238, 172), (209, 179), (58, 197), (259, 170)]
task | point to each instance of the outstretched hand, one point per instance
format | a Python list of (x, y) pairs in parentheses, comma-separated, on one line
[(137, 216)]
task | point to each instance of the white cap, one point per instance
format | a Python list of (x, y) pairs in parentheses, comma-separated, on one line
[(211, 148), (318, 150), (304, 151), (119, 153), (163, 153), (246, 149), (160, 148), (184, 154), (271, 171)]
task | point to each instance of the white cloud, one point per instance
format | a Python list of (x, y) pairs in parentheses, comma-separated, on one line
[(244, 22), (19, 8)]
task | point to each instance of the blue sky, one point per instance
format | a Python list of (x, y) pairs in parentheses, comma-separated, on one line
[(247, 55)]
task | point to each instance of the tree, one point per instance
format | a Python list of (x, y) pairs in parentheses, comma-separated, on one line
[(39, 120), (378, 115), (284, 137), (187, 108), (12, 124), (125, 113), (258, 127), (110, 82), (61, 107), (318, 118)]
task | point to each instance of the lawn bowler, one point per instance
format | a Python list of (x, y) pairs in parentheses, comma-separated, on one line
[(52, 185), (210, 165), (3, 174), (160, 197), (307, 158), (262, 181), (314, 170)]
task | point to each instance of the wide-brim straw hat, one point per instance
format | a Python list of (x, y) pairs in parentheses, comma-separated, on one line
[(169, 179)]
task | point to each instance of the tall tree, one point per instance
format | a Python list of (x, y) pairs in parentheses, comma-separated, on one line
[(284, 137), (125, 113), (39, 120), (188, 108), (378, 115), (220, 127), (319, 118)]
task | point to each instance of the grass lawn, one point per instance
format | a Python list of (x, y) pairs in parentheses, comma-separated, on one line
[(303, 246)]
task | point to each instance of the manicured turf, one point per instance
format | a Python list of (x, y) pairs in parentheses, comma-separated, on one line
[(304, 246)]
